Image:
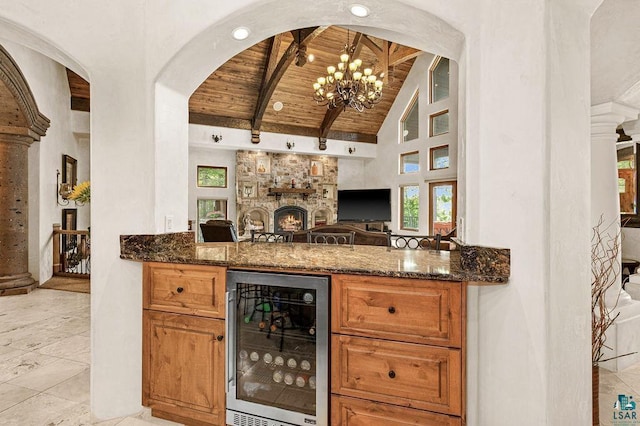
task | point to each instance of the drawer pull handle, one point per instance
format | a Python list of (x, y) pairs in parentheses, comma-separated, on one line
[(392, 374), (392, 310), (180, 289), (219, 338)]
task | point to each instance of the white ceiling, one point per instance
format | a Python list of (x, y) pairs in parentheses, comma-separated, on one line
[(615, 53)]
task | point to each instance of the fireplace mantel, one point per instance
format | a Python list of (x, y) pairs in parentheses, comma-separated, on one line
[(277, 192)]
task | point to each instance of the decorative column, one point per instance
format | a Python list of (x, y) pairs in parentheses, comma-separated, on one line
[(20, 124), (605, 200), (14, 217)]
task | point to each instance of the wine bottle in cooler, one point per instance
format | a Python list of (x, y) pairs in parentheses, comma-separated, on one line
[(288, 379)]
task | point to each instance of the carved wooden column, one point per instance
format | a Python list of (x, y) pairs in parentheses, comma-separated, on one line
[(20, 124)]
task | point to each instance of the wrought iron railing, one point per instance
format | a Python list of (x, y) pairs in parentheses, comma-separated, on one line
[(71, 253)]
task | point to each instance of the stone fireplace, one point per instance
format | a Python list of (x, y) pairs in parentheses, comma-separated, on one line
[(284, 192), (289, 218)]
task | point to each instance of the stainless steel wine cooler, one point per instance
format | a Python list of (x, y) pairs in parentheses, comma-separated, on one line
[(277, 349)]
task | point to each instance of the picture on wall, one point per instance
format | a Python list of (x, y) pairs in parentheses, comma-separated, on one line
[(69, 223), (69, 219), (69, 170), (263, 165), (248, 189), (316, 168), (212, 177), (328, 191)]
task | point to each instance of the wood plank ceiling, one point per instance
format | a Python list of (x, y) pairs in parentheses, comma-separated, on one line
[(241, 93)]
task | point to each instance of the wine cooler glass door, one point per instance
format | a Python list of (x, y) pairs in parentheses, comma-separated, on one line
[(278, 361)]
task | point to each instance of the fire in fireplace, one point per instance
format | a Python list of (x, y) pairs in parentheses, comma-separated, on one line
[(290, 218)]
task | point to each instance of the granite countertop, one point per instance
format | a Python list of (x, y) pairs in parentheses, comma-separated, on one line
[(475, 264)]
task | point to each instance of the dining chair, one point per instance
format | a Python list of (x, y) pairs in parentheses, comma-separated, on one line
[(415, 242), (271, 237), (335, 238), (217, 230)]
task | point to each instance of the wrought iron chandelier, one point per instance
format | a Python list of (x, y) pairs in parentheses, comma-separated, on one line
[(347, 85)]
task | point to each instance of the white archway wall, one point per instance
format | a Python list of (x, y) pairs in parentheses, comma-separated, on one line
[(48, 81), (211, 47), (511, 115), (508, 136), (614, 66)]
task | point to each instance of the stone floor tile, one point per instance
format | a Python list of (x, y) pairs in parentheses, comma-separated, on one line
[(38, 410), (49, 375), (22, 364), (76, 348), (75, 389), (11, 395)]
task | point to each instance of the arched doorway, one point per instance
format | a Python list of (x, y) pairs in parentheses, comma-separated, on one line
[(21, 123)]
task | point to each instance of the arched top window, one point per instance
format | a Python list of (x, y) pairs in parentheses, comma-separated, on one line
[(439, 80), (410, 120)]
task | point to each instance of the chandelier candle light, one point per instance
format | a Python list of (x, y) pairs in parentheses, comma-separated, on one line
[(347, 85)]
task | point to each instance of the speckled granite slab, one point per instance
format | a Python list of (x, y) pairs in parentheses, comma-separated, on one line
[(470, 263)]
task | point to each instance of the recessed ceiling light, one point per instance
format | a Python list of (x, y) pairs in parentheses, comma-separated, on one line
[(240, 33), (277, 105), (359, 10)]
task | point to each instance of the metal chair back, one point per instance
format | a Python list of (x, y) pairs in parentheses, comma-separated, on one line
[(415, 242), (335, 238), (271, 237)]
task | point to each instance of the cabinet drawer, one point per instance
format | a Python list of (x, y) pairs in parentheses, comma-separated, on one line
[(187, 289), (358, 412), (409, 310), (407, 374)]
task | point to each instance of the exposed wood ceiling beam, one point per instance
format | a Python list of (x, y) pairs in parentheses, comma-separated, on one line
[(80, 104), (270, 81), (237, 123), (272, 57), (402, 54), (382, 53), (371, 45)]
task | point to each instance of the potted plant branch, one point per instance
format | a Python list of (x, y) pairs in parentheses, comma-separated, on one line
[(605, 271)]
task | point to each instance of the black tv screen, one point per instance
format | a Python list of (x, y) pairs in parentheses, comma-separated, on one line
[(364, 205)]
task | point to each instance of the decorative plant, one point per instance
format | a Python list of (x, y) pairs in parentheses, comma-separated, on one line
[(605, 271), (81, 193)]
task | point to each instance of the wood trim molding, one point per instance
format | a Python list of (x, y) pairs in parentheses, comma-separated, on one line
[(80, 104), (15, 82)]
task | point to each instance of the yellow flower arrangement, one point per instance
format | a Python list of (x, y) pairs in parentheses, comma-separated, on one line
[(81, 192)]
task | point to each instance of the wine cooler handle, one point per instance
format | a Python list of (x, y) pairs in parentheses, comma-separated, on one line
[(229, 364)]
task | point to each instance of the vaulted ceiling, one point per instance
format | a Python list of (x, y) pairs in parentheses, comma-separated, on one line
[(242, 92)]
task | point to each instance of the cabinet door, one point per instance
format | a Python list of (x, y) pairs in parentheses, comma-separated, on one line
[(359, 412), (410, 310), (183, 366), (407, 374), (185, 289)]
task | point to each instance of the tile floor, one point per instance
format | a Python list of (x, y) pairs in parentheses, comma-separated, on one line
[(45, 361), (625, 382)]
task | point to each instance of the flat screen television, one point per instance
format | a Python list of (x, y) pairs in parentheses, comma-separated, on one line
[(364, 205)]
